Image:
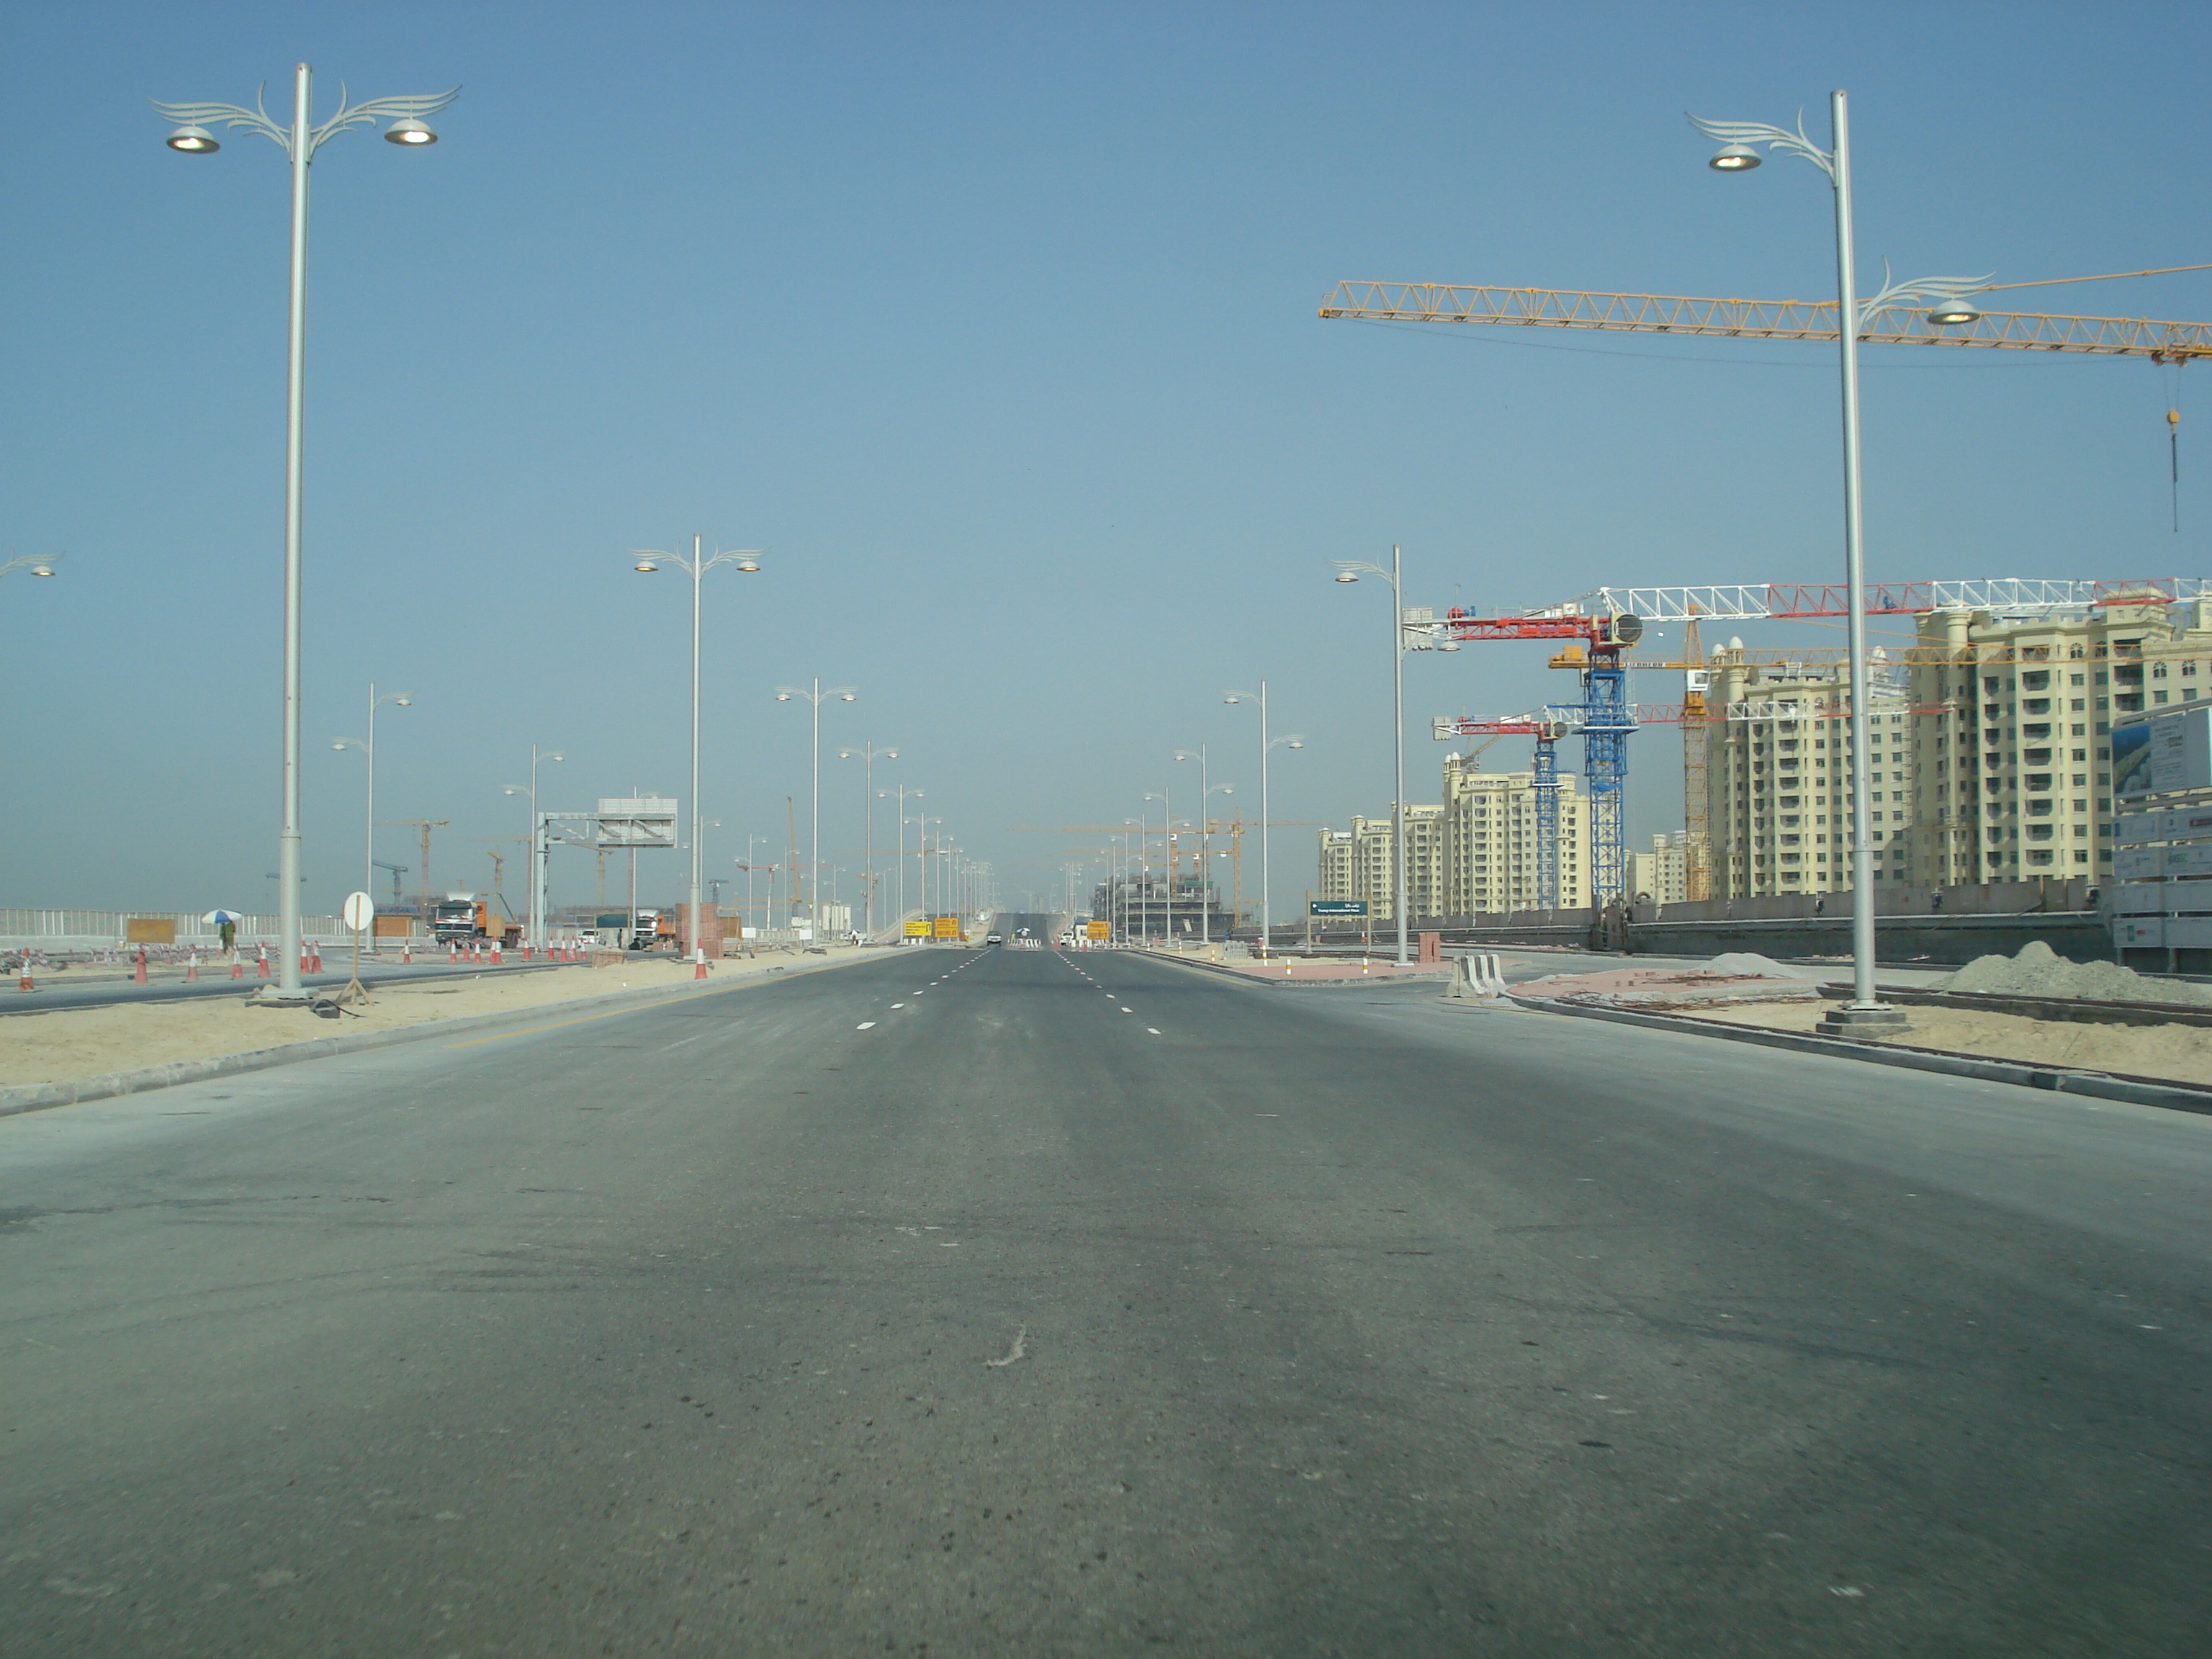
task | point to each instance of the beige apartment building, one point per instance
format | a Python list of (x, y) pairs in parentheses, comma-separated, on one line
[(2019, 744), (1661, 875), (1991, 751), (1778, 777), (1474, 854), (1361, 863), (1489, 843)]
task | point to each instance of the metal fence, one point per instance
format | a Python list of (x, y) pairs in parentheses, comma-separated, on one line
[(18, 924)]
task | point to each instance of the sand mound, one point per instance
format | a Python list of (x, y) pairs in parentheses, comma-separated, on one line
[(2040, 971)]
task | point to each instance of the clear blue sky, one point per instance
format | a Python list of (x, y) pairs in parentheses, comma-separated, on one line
[(995, 325)]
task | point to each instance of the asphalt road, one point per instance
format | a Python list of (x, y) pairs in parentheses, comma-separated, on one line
[(1028, 1303)]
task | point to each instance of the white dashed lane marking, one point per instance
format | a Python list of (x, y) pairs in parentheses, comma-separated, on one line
[(1154, 1029), (865, 1024)]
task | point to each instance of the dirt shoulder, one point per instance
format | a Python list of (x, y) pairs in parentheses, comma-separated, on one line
[(2181, 1052), (70, 1044)]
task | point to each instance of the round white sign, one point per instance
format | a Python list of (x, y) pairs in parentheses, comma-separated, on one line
[(359, 913)]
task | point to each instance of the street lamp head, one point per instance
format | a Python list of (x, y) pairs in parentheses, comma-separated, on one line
[(513, 789), (1950, 313), (1295, 743), (846, 696), (1733, 158), (42, 570), (409, 131), (341, 745), (555, 755), (405, 701), (751, 567), (646, 566), (1346, 576), (783, 696), (192, 141)]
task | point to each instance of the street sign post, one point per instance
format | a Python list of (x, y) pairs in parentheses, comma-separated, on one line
[(1094, 929), (1336, 907), (917, 929), (947, 927), (359, 915)]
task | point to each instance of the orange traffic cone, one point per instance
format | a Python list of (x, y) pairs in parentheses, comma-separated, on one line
[(138, 973), (24, 983), (315, 957), (699, 957), (497, 960), (237, 967), (263, 961)]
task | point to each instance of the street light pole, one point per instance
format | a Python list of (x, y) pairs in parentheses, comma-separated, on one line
[(867, 754), (1349, 570), (1736, 154), (1167, 852), (814, 696), (898, 859), (1268, 745), (299, 142), (368, 747), (540, 851), (647, 561)]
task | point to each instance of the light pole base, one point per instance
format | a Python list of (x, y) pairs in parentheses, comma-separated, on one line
[(1862, 1019), (269, 996)]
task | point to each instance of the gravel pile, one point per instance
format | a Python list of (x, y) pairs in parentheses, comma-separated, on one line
[(2040, 971)]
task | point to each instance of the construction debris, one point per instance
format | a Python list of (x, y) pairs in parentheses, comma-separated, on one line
[(1727, 981), (2040, 971)]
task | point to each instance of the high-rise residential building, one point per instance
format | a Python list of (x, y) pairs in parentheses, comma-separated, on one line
[(1661, 875), (1335, 879), (1489, 841), (1989, 757), (1360, 863), (1778, 774), (2015, 717)]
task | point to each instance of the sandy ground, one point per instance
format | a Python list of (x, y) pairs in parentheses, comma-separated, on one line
[(71, 1044), (2183, 1053)]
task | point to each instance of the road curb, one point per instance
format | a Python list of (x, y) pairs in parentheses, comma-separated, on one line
[(17, 1098), (1222, 970), (2059, 1079)]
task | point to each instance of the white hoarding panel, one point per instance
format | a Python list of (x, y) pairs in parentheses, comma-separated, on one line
[(2163, 753)]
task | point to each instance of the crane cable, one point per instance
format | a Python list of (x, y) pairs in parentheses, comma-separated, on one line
[(2172, 377)]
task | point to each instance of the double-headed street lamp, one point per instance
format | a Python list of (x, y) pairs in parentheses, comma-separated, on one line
[(814, 695), (648, 563), (299, 142), (1267, 745), (1207, 791), (367, 747), (541, 853), (1949, 305), (867, 754), (1351, 570), (901, 795)]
